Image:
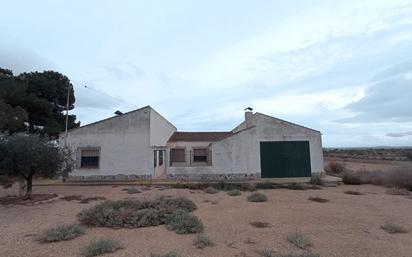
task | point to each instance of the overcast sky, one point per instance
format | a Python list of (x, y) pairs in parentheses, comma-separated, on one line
[(341, 67)]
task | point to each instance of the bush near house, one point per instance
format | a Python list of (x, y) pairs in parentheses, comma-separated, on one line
[(183, 222), (351, 178), (257, 197), (101, 246), (335, 168), (202, 241), (60, 233), (134, 213)]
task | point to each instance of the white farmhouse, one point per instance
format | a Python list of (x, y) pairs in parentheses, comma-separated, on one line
[(143, 144)]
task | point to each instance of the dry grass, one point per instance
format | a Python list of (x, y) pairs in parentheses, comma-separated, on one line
[(211, 190), (101, 246), (201, 241), (234, 192), (257, 197), (318, 199), (399, 176), (335, 168), (61, 233), (299, 240)]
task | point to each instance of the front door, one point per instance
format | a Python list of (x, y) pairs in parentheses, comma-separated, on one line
[(159, 164)]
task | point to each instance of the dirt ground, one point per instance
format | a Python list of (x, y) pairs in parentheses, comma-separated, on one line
[(348, 225)]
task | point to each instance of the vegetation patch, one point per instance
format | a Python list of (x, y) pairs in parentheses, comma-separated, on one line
[(266, 252), (393, 228), (202, 241), (257, 197), (351, 192), (318, 199), (101, 246), (134, 213), (183, 222), (335, 168), (299, 240), (351, 178), (260, 224), (133, 190), (211, 190), (397, 191), (169, 254), (317, 179), (61, 233), (234, 192)]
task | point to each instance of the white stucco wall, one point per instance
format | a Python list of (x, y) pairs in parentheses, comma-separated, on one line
[(240, 153), (123, 141), (160, 129)]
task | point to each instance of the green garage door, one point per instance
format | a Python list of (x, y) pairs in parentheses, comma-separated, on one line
[(279, 159)]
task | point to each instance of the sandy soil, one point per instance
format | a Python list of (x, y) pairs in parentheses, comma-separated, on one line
[(347, 226)]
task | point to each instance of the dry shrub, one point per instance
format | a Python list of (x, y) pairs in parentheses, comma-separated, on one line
[(260, 224), (101, 246), (393, 228), (257, 198), (399, 176), (183, 222), (211, 190), (133, 190), (300, 240), (266, 252), (335, 168), (234, 192), (351, 178), (351, 192), (202, 241), (397, 191), (134, 213), (318, 199), (61, 233)]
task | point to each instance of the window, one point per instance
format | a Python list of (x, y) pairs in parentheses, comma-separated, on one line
[(200, 155), (177, 155), (89, 158), (161, 157)]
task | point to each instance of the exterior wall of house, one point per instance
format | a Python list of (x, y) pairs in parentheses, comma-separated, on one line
[(123, 142), (238, 156), (160, 129)]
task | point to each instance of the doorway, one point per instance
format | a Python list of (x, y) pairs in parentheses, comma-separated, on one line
[(159, 163)]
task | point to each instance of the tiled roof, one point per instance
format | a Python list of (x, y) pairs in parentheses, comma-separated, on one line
[(198, 136)]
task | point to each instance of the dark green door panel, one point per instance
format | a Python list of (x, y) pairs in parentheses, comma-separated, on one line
[(280, 159)]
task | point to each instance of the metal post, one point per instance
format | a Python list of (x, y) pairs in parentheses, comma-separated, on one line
[(67, 115)]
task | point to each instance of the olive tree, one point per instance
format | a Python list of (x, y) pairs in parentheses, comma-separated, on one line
[(22, 157)]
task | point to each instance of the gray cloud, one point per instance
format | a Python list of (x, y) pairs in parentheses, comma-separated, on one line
[(126, 72), (405, 134), (388, 99)]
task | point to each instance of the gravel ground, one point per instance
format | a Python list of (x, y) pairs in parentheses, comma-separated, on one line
[(348, 225)]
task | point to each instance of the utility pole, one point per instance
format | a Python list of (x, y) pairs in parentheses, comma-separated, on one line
[(67, 115)]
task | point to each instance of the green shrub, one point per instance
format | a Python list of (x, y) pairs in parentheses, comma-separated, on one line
[(101, 246), (134, 213), (211, 190), (351, 178), (169, 254), (257, 197), (234, 192), (202, 241), (266, 252), (393, 228), (318, 199), (182, 222), (300, 240), (316, 179), (60, 233), (133, 190)]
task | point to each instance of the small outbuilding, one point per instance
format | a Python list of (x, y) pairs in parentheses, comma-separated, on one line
[(143, 144)]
